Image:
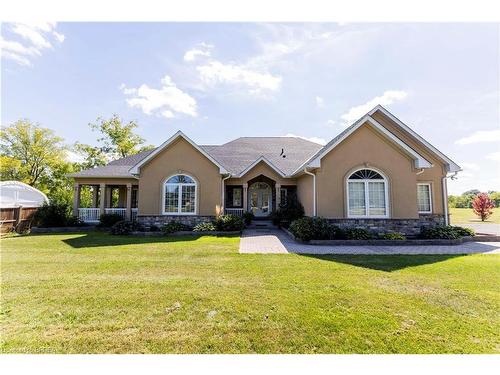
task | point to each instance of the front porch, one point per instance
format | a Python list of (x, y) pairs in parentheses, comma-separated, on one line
[(118, 199)]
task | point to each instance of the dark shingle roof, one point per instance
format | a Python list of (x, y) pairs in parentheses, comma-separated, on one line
[(234, 156)]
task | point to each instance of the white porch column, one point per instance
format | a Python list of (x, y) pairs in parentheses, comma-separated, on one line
[(245, 197), (94, 195), (102, 198), (76, 198), (278, 196), (128, 211), (109, 196)]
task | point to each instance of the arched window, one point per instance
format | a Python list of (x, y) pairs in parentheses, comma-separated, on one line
[(179, 195), (367, 194)]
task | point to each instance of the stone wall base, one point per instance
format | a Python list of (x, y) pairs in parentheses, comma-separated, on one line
[(160, 220), (409, 227)]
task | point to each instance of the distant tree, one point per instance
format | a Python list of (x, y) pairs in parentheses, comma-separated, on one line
[(483, 206), (117, 140), (473, 192), (30, 151), (495, 197)]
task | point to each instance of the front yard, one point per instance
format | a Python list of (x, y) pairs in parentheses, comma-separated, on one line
[(467, 216), (96, 293)]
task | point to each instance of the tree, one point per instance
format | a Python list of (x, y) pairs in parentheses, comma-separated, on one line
[(482, 206), (30, 151)]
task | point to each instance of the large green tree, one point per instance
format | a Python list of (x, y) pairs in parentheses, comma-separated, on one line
[(117, 140), (29, 152)]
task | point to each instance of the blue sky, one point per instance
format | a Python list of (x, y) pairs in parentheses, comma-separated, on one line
[(218, 81)]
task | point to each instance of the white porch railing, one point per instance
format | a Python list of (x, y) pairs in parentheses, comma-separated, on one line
[(133, 214), (234, 211), (116, 211), (89, 215)]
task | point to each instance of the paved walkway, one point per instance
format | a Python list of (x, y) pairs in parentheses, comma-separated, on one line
[(487, 228), (273, 241)]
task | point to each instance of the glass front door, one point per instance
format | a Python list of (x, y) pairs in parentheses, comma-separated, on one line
[(260, 199)]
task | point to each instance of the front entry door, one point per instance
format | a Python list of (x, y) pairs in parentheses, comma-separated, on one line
[(260, 199)]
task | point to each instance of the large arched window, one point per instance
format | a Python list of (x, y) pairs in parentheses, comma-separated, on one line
[(367, 194), (179, 195)]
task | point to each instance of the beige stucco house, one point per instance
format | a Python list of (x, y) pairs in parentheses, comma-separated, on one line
[(378, 172)]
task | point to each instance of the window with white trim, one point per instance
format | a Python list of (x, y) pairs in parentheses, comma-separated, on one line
[(180, 195), (367, 194), (424, 198), (237, 197)]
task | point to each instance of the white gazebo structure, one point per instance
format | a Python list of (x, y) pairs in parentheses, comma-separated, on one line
[(19, 194)]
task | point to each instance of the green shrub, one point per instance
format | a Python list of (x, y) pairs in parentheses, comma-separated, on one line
[(288, 212), (445, 232), (465, 232), (314, 228), (229, 223), (126, 227), (393, 236), (205, 227), (248, 217), (108, 220), (55, 214), (174, 226), (357, 234), (154, 228)]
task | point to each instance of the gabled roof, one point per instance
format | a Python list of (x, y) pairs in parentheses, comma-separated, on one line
[(264, 160), (136, 168), (453, 167)]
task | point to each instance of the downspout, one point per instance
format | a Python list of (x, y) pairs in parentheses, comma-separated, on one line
[(314, 189), (445, 197), (223, 201)]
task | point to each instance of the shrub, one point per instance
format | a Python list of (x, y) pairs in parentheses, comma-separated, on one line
[(74, 221), (125, 227), (53, 214), (205, 227), (248, 217), (154, 228), (289, 211), (482, 206), (446, 232), (174, 226), (357, 234), (229, 223), (108, 220), (393, 236), (314, 228)]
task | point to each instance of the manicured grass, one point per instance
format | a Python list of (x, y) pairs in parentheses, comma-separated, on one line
[(465, 215), (96, 293)]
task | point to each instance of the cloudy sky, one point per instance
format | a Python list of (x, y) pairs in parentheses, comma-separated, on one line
[(218, 81)]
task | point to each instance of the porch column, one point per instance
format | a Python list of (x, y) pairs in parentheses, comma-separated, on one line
[(122, 197), (278, 196), (102, 198), (245, 197), (109, 196), (76, 198), (95, 190), (128, 211)]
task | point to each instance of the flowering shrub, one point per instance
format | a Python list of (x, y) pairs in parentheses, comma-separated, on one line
[(482, 205)]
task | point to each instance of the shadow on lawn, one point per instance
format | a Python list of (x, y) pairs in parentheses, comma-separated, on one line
[(387, 263), (105, 239)]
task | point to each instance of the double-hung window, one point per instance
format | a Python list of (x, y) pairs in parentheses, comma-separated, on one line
[(424, 198)]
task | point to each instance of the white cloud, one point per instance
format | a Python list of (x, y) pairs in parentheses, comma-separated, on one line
[(481, 136), (321, 141), (216, 72), (494, 156), (167, 101), (203, 49), (34, 38), (331, 123), (386, 98), (469, 166), (320, 102)]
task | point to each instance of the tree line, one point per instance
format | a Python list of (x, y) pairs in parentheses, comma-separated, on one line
[(466, 199), (38, 157)]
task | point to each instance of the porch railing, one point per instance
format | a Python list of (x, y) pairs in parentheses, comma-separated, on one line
[(234, 211), (133, 214), (89, 215), (116, 211)]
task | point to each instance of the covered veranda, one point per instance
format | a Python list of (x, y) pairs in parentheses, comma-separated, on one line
[(117, 196)]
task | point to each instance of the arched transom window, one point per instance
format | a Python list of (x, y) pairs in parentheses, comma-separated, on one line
[(179, 195), (367, 194)]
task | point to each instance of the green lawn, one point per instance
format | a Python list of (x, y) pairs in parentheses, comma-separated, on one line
[(465, 215), (96, 293)]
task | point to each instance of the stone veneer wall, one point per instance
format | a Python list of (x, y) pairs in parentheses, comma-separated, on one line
[(159, 220), (409, 227)]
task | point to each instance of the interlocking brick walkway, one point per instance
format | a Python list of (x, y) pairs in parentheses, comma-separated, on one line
[(274, 241)]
